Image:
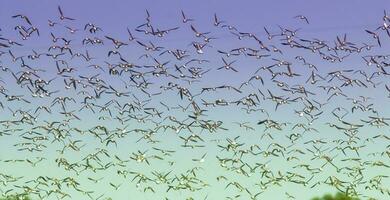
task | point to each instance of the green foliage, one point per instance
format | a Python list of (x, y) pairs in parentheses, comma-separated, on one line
[(338, 196), (16, 197)]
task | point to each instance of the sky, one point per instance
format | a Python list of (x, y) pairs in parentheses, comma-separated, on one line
[(328, 19)]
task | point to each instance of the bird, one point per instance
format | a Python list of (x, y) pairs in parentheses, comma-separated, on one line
[(301, 17), (153, 104), (227, 65), (184, 18), (62, 16), (375, 36), (217, 22), (23, 17)]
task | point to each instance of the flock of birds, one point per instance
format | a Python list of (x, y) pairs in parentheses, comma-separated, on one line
[(278, 110)]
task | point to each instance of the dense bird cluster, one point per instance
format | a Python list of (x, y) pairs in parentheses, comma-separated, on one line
[(277, 109)]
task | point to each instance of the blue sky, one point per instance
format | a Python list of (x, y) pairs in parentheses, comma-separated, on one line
[(328, 19)]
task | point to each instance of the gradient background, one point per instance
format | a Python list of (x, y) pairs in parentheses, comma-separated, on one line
[(328, 19)]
